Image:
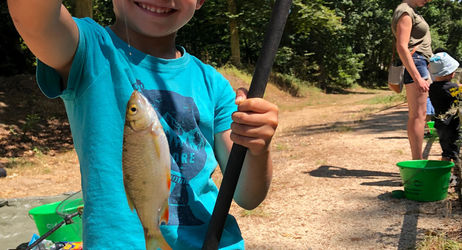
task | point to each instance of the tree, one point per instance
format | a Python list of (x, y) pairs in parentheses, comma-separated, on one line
[(444, 18), (234, 33), (330, 43), (368, 31), (83, 8), (321, 45)]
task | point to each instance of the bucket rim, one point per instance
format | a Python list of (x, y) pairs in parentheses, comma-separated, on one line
[(50, 208), (421, 164), (44, 209)]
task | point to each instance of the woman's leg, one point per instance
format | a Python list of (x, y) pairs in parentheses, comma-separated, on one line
[(417, 102)]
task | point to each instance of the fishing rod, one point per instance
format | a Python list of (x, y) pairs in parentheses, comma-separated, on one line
[(66, 220), (257, 87)]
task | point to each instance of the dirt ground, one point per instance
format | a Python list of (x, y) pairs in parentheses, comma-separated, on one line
[(334, 170)]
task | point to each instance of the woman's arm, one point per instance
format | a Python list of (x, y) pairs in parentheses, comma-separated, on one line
[(403, 34), (48, 30)]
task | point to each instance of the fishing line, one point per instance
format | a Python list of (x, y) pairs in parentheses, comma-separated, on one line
[(126, 28)]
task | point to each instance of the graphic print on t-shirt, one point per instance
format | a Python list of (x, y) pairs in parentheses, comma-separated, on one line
[(179, 116)]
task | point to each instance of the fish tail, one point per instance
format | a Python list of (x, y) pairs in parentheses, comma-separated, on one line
[(155, 243)]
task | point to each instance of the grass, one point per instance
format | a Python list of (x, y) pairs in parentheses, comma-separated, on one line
[(291, 94), (438, 242), (386, 99), (257, 212), (281, 147), (342, 128), (400, 151), (231, 70), (19, 163), (286, 83), (321, 162), (379, 102), (37, 163), (292, 85)]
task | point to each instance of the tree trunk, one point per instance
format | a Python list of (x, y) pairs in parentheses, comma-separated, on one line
[(83, 8), (233, 27)]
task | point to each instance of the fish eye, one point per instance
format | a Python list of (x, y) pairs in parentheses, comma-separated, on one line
[(133, 109)]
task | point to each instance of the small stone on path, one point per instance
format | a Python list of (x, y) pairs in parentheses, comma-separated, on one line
[(2, 172)]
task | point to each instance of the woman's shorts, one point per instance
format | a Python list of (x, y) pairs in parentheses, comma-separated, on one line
[(421, 65)]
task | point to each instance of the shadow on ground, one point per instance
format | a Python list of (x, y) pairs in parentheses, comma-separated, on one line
[(29, 121), (339, 172), (409, 230), (374, 124)]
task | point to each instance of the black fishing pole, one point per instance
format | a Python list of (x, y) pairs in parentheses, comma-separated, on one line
[(67, 220), (257, 87)]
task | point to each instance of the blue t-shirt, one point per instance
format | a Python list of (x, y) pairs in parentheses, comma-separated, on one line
[(193, 101)]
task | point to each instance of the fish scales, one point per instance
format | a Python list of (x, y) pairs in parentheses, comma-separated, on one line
[(146, 168)]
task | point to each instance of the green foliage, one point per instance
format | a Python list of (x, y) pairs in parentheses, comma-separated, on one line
[(330, 44), (445, 20), (102, 12), (368, 32), (289, 84), (206, 35), (323, 52)]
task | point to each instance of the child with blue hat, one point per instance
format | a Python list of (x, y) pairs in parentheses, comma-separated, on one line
[(443, 97)]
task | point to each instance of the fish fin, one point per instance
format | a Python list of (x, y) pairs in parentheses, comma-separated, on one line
[(129, 200), (163, 214), (156, 143), (155, 243), (164, 217)]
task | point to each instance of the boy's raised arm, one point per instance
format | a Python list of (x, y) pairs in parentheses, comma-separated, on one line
[(48, 30)]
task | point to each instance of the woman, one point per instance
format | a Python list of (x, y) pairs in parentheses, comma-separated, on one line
[(413, 44)]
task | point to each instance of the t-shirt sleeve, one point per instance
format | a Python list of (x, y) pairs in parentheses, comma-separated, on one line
[(401, 10), (224, 107), (82, 70)]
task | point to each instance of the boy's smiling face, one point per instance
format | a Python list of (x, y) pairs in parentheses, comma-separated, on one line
[(155, 18)]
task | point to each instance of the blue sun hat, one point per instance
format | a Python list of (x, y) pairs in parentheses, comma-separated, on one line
[(442, 64)]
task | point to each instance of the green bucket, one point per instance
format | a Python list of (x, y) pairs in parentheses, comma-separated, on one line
[(431, 127), (46, 217), (425, 180)]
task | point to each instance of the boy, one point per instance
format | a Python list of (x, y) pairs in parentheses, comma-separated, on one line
[(95, 69), (443, 67)]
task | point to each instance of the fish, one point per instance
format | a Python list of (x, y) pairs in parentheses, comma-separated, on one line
[(146, 168)]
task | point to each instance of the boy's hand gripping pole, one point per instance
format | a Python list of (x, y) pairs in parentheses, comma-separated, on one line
[(257, 87)]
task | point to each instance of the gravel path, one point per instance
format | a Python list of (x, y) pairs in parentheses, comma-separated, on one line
[(334, 173)]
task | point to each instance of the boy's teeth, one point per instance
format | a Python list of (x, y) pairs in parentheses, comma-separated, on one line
[(153, 9)]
